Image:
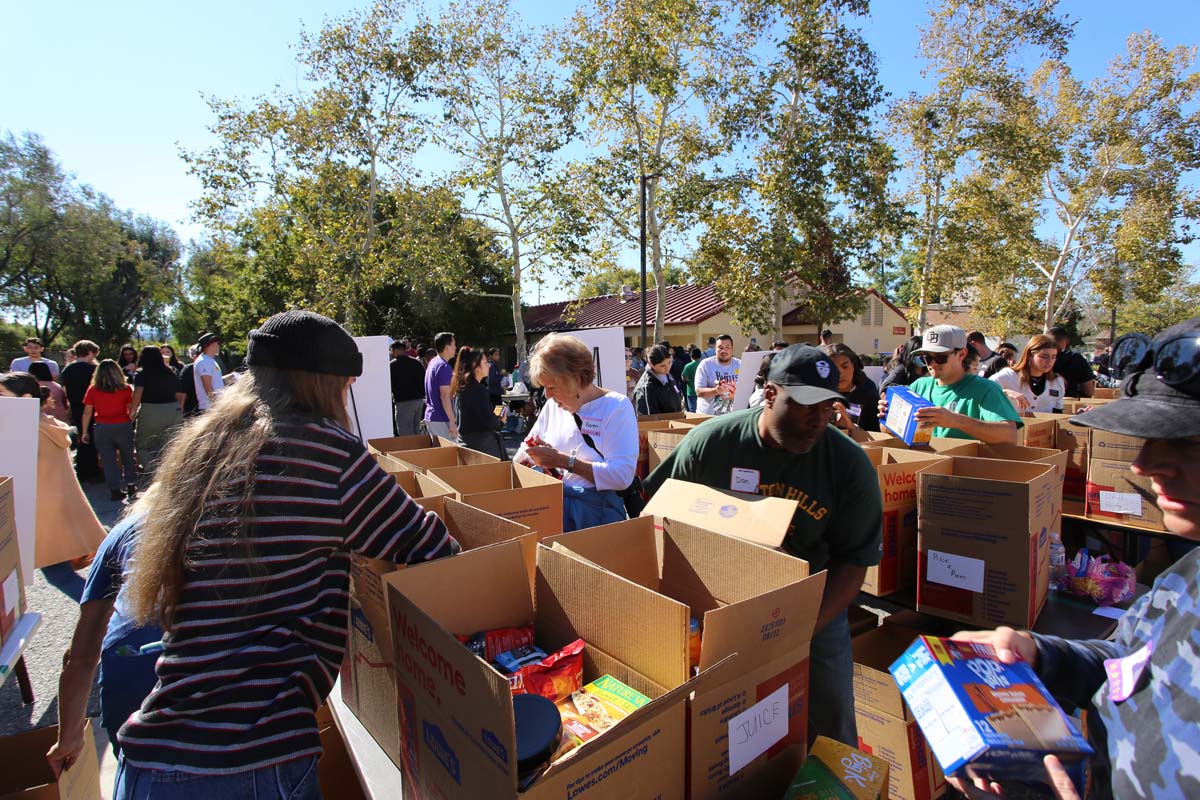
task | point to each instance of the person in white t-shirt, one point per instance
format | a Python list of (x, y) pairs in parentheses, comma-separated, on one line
[(585, 435), (33, 354), (207, 371), (716, 379), (1031, 383)]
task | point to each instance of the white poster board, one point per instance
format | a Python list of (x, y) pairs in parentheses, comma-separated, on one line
[(608, 351), (751, 364), (370, 398), (18, 459)]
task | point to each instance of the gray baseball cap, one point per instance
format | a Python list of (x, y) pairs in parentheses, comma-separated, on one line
[(943, 339)]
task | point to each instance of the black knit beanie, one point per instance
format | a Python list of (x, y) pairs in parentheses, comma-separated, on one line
[(305, 341)]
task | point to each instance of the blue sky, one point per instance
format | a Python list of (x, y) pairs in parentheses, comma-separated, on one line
[(115, 88)]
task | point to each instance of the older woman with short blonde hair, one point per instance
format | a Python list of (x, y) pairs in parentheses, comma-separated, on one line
[(585, 434)]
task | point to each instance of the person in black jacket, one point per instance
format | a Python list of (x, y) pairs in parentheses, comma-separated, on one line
[(858, 391), (656, 392), (478, 425), (906, 367)]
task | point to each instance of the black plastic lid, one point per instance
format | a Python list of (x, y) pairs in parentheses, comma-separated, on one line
[(538, 727)]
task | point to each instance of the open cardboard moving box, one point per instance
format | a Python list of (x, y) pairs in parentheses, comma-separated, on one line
[(984, 540), (662, 441), (758, 608), (27, 774), (12, 587), (1008, 452), (457, 736), (397, 444), (1074, 440), (509, 490), (368, 678), (1114, 493), (758, 519), (438, 457), (897, 471), (886, 725)]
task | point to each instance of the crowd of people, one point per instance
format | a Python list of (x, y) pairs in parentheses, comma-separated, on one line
[(225, 585)]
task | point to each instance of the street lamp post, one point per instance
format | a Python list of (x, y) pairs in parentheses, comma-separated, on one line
[(642, 246)]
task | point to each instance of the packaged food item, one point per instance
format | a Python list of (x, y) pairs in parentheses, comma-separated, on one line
[(834, 771), (1106, 582), (490, 644), (594, 709), (901, 419), (538, 728), (513, 660), (993, 720), (694, 643), (553, 676)]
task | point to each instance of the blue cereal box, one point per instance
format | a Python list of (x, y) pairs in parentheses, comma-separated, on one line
[(901, 419), (996, 721)]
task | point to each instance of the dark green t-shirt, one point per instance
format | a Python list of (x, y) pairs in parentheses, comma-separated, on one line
[(689, 377), (840, 510), (973, 396)]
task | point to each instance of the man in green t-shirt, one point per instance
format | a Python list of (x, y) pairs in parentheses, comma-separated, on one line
[(787, 448), (689, 377), (964, 406)]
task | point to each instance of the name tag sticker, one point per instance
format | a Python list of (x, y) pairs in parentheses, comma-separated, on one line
[(1123, 673), (591, 426), (744, 480), (855, 410), (752, 732), (960, 572), (1121, 502), (1054, 392)]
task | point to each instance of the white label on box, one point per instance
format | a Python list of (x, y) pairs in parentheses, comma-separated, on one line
[(752, 732), (960, 572), (11, 591), (1121, 503)]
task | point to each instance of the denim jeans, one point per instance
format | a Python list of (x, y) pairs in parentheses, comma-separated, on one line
[(292, 780), (691, 402), (109, 438), (831, 684), (408, 417), (588, 508)]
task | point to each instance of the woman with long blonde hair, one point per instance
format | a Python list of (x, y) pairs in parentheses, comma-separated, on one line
[(1031, 384), (244, 555)]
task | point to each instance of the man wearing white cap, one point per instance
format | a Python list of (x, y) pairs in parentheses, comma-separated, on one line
[(964, 406)]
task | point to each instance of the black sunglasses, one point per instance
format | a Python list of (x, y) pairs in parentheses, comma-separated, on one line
[(940, 358), (1175, 361)]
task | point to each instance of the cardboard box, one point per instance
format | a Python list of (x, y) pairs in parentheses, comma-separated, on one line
[(886, 725), (12, 587), (1076, 405), (1115, 494), (758, 519), (901, 419), (368, 677), (983, 531), (897, 471), (1038, 431), (835, 771), (512, 491), (27, 774), (1008, 452), (880, 439), (996, 721), (335, 770), (438, 457), (1074, 440), (1113, 446), (395, 444), (763, 625), (457, 733), (1100, 393), (661, 442)]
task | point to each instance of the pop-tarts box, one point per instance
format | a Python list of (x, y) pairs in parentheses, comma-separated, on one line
[(902, 405), (995, 720)]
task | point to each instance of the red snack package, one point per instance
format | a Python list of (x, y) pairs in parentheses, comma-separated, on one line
[(555, 676), (489, 644)]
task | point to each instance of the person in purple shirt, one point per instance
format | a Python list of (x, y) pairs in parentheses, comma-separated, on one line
[(439, 410)]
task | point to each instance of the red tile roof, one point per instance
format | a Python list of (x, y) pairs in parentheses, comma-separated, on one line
[(686, 304)]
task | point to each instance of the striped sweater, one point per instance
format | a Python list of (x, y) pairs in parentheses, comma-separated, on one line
[(259, 631)]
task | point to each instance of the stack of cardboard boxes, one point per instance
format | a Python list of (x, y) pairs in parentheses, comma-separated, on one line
[(1114, 493)]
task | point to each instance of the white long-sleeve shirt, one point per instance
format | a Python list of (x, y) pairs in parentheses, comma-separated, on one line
[(611, 423)]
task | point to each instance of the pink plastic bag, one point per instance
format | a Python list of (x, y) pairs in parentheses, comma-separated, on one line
[(1106, 582)]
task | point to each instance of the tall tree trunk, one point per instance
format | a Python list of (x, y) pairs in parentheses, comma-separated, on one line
[(654, 233), (518, 317)]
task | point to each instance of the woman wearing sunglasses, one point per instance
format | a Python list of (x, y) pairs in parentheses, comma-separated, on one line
[(1031, 384), (1143, 726)]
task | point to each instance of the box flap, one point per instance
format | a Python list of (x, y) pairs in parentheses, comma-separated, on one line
[(475, 478), (626, 548), (395, 444), (418, 485), (769, 626), (874, 652), (637, 626), (979, 491), (473, 591), (763, 520), (524, 478), (954, 447), (475, 528)]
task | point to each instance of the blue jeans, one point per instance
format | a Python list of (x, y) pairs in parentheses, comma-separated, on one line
[(691, 402), (831, 684), (292, 780), (587, 508)]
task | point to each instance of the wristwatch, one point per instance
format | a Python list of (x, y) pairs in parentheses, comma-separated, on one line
[(571, 462)]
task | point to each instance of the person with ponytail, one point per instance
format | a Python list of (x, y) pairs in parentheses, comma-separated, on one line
[(478, 425), (65, 526), (243, 555)]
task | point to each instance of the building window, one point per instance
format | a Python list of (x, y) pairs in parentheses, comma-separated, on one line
[(878, 306)]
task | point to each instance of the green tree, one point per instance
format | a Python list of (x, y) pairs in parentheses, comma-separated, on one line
[(813, 209), (650, 77), (978, 115), (507, 116), (610, 279)]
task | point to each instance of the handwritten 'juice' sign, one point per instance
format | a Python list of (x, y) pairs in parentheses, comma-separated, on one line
[(752, 732), (960, 572)]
